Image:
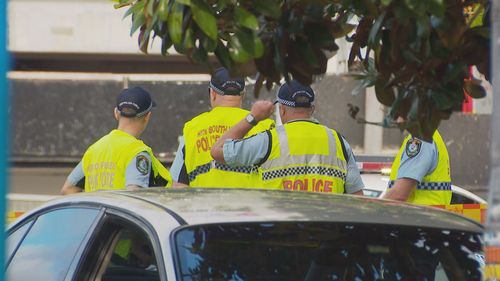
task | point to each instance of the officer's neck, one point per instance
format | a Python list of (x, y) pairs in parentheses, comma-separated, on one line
[(130, 129), (295, 117)]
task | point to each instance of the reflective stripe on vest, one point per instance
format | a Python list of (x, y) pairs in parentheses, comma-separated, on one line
[(303, 170), (435, 188), (202, 169), (429, 185), (201, 133), (323, 170)]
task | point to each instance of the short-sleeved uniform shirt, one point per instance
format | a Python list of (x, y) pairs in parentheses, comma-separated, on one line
[(253, 150)]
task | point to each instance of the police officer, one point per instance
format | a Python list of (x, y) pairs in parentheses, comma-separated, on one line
[(193, 165), (421, 172), (119, 160), (301, 155)]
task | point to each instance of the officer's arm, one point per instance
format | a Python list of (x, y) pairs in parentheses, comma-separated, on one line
[(401, 190), (70, 185), (353, 183), (260, 111), (138, 171), (415, 164)]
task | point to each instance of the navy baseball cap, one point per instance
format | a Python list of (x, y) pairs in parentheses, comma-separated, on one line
[(224, 84), (294, 94), (134, 102)]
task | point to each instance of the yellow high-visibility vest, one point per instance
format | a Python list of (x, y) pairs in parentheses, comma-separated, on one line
[(201, 133), (435, 188), (305, 156), (105, 162)]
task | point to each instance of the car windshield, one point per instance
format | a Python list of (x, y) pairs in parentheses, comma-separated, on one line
[(326, 251)]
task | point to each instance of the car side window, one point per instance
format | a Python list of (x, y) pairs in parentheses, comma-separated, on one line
[(460, 199), (132, 258), (121, 249), (49, 247), (14, 238)]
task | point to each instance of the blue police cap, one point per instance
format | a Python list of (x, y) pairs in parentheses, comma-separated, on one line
[(224, 84), (134, 102), (295, 94)]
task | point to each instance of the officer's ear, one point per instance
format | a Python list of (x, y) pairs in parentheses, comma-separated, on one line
[(213, 94), (282, 110), (147, 116), (117, 114)]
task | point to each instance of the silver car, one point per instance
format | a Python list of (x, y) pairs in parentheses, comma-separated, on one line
[(234, 234)]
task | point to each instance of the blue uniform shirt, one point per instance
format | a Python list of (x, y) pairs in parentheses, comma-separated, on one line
[(420, 165), (253, 150)]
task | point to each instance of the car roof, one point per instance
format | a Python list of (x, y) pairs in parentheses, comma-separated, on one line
[(210, 205)]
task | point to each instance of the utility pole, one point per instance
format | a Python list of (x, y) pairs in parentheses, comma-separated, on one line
[(492, 237)]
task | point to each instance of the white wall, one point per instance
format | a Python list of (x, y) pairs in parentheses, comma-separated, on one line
[(89, 26)]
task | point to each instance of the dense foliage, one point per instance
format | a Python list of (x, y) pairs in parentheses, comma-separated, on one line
[(416, 53)]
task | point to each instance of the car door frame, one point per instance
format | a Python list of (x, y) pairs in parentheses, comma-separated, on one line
[(112, 214)]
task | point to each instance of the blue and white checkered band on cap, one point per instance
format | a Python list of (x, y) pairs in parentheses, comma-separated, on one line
[(224, 84), (295, 94)]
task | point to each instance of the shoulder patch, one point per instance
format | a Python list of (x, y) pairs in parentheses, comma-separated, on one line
[(142, 164), (413, 147)]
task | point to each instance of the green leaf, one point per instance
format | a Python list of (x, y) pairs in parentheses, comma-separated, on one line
[(270, 8), (307, 53), (436, 7), (162, 10), (247, 41), (184, 2), (188, 41), (122, 3), (384, 95), (204, 17), (245, 18), (441, 99), (375, 33), (413, 112), (454, 71), (319, 35), (134, 9), (138, 21), (179, 48), (199, 55), (386, 2), (474, 89), (166, 43), (395, 108), (222, 53), (239, 55), (175, 22), (208, 44), (221, 4), (258, 46), (144, 40), (149, 7), (241, 48)]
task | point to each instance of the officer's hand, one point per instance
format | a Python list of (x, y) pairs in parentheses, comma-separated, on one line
[(262, 109)]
